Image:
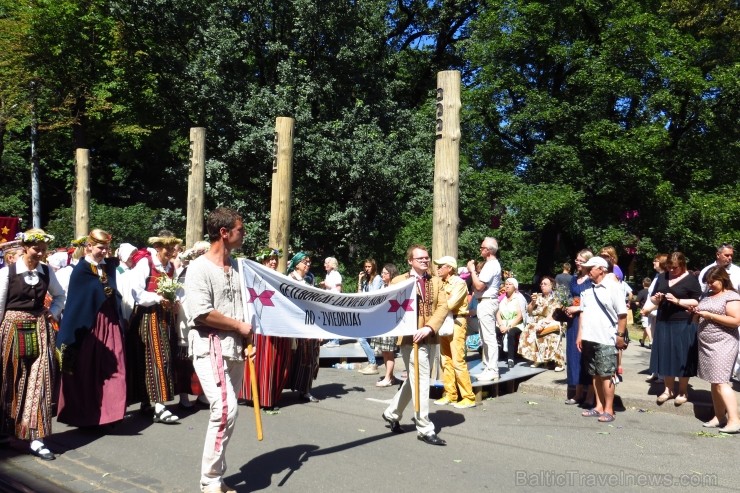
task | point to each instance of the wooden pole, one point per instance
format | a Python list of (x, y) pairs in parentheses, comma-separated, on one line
[(82, 192), (255, 393), (446, 165), (196, 186), (417, 402), (282, 183)]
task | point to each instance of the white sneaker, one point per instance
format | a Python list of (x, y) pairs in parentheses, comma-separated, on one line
[(488, 375)]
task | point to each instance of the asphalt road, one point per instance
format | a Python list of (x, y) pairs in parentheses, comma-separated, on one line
[(515, 442)]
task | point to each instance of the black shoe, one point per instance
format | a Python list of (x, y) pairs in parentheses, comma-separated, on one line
[(432, 439), (43, 453), (308, 398), (394, 425)]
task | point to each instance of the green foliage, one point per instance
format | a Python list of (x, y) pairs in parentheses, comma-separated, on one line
[(133, 224), (574, 113)]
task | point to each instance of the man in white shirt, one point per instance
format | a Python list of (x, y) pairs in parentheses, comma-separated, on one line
[(486, 286), (725, 252), (601, 329)]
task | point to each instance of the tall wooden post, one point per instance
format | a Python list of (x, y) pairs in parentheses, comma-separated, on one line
[(196, 186), (82, 192), (282, 183), (446, 176), (447, 165)]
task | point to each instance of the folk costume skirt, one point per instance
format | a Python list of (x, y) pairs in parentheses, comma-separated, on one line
[(27, 385), (272, 365), (95, 392), (150, 347)]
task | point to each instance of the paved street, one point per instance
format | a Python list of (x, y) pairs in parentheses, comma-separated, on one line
[(520, 441)]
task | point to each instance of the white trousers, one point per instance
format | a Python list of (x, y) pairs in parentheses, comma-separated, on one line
[(487, 309), (404, 395), (213, 464)]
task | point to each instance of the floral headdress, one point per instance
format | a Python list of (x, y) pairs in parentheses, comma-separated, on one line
[(268, 253), (164, 240), (196, 251), (34, 237), (79, 242)]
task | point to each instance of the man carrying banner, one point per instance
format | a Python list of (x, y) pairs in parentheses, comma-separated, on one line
[(217, 337), (431, 312)]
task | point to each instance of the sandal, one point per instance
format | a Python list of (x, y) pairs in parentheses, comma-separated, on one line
[(591, 413), (606, 418), (166, 417)]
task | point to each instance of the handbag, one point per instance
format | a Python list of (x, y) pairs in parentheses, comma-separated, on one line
[(26, 340), (549, 329), (448, 326)]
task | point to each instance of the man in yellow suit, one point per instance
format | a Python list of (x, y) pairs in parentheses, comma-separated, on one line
[(455, 374)]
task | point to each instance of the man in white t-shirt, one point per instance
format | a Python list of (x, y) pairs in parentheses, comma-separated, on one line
[(725, 252), (486, 286), (601, 330)]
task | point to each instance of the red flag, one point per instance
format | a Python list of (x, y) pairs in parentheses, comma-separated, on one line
[(8, 228)]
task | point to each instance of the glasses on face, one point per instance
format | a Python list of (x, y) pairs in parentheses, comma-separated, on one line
[(307, 262), (484, 248), (385, 273), (421, 259)]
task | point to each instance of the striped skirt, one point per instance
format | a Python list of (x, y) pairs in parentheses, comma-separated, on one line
[(27, 385), (305, 365), (150, 352), (272, 366)]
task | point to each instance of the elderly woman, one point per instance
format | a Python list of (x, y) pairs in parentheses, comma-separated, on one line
[(90, 341), (152, 339), (577, 377), (510, 317), (306, 357), (273, 358), (674, 351), (719, 316), (533, 345), (27, 344), (332, 282)]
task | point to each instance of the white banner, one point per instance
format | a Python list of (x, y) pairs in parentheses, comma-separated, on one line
[(277, 305)]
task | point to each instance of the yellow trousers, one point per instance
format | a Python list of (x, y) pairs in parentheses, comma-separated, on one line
[(455, 373)]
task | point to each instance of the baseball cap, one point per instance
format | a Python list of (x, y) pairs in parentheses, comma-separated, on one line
[(447, 260), (596, 262)]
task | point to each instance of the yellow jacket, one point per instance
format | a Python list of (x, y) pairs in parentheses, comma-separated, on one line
[(430, 312)]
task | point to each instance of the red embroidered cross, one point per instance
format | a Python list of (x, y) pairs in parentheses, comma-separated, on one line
[(264, 297)]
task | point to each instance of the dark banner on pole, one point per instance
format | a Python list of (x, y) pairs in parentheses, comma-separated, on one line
[(8, 228)]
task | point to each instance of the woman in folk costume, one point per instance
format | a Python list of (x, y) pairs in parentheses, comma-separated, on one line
[(151, 339), (182, 361), (27, 344), (90, 340), (305, 365), (273, 358)]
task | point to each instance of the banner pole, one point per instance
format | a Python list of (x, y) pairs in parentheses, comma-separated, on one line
[(255, 394), (417, 404)]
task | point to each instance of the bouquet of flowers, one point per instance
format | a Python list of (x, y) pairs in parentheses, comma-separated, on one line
[(167, 288)]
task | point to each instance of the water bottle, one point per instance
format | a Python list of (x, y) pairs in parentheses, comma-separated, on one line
[(351, 366), (340, 366)]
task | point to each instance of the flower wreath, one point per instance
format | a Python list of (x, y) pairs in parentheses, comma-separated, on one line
[(34, 237)]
